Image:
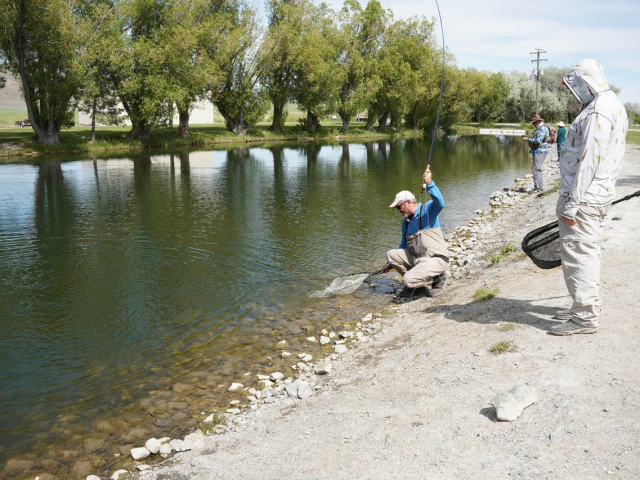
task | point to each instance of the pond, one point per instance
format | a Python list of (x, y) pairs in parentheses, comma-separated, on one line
[(135, 288)]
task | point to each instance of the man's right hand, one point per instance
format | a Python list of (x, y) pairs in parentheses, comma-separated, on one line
[(385, 268)]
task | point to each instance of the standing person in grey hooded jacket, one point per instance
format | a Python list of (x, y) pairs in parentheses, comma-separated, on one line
[(589, 166)]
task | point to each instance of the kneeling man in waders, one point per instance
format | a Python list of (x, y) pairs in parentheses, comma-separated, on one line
[(422, 257)]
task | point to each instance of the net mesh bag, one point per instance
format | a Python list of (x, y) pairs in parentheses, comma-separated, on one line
[(542, 246), (342, 285)]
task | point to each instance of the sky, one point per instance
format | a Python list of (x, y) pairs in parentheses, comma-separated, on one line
[(498, 36)]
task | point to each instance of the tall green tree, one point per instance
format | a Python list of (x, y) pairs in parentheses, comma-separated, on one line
[(362, 34), (39, 40), (240, 97), (287, 21), (136, 65), (316, 66), (192, 49)]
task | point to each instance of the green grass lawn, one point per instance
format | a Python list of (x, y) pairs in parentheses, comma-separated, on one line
[(11, 116), (633, 137)]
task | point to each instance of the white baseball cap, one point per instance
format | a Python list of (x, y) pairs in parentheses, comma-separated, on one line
[(561, 124), (403, 196)]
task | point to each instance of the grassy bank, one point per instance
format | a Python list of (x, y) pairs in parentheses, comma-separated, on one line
[(20, 142)]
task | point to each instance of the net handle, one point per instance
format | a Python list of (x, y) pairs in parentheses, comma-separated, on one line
[(549, 226)]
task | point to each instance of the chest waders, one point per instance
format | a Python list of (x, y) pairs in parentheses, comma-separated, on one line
[(427, 242)]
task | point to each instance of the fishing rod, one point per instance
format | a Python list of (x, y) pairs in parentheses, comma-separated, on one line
[(435, 131)]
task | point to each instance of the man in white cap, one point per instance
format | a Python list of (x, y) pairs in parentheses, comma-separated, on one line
[(589, 167), (422, 257), (560, 137)]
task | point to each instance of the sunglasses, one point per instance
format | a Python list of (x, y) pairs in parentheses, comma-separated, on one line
[(400, 205)]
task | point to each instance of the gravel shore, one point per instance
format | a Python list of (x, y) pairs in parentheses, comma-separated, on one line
[(417, 399)]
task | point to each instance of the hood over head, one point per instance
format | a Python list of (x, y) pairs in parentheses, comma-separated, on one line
[(586, 80)]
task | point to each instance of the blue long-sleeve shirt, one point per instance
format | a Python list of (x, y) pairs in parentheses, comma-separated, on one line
[(429, 214)]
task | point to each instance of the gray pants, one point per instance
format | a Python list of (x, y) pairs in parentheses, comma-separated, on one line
[(416, 272), (538, 160), (580, 254)]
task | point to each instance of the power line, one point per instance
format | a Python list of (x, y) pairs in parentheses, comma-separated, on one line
[(538, 60)]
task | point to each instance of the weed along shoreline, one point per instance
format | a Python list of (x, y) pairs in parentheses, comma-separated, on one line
[(21, 144), (412, 390)]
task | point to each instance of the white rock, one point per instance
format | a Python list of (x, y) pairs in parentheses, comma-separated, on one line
[(234, 402), (300, 355), (142, 467), (139, 453), (311, 339), (323, 367), (118, 473), (233, 411), (235, 386), (93, 477), (165, 450), (346, 334), (266, 383), (164, 439), (193, 441), (275, 376), (282, 342), (510, 405), (368, 317), (307, 358), (209, 419), (324, 340), (304, 390), (153, 445), (332, 334), (340, 348), (285, 354), (263, 377)]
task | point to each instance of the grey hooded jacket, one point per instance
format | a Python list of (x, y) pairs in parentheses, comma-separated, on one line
[(595, 143)]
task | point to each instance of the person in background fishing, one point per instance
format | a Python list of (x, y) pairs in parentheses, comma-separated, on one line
[(589, 167), (422, 257), (561, 135), (538, 149)]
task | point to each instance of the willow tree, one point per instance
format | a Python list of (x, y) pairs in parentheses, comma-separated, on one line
[(136, 66), (240, 97), (316, 66), (362, 33), (39, 41), (192, 49)]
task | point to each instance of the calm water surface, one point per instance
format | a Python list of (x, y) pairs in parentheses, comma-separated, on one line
[(134, 289)]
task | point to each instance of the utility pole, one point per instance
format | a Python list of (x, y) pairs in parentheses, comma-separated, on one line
[(538, 60)]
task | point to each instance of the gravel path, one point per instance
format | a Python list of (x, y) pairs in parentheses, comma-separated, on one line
[(416, 400)]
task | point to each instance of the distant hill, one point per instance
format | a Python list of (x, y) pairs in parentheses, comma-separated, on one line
[(10, 97)]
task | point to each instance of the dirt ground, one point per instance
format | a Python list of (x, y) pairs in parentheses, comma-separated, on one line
[(415, 401)]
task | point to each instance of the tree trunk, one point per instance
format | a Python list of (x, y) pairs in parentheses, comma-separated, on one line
[(183, 127), (234, 125), (94, 106), (382, 121), (312, 122), (277, 125), (414, 116), (393, 124), (346, 120), (370, 120)]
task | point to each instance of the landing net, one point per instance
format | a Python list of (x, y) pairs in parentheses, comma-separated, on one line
[(342, 286)]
